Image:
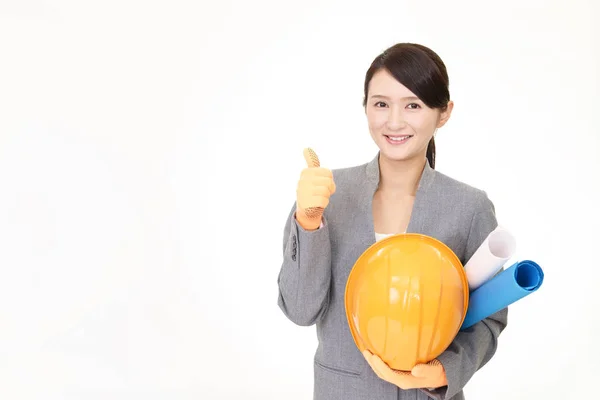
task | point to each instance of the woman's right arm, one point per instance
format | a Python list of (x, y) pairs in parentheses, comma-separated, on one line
[(305, 275)]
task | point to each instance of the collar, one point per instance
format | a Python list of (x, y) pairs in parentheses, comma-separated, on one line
[(373, 173)]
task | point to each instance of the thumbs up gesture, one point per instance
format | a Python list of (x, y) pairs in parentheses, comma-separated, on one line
[(314, 189)]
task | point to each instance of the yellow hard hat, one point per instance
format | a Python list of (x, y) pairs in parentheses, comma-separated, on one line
[(406, 298)]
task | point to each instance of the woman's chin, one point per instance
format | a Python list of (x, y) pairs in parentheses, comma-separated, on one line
[(398, 155)]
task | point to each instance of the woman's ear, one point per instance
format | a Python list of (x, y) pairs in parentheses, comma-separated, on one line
[(445, 114)]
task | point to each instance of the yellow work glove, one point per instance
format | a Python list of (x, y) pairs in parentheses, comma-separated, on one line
[(312, 194), (422, 376)]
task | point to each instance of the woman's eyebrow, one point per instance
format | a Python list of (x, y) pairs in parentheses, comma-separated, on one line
[(380, 96)]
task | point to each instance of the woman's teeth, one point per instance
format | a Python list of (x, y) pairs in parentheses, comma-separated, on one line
[(399, 138)]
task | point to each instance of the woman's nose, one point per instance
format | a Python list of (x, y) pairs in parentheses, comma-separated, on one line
[(395, 120)]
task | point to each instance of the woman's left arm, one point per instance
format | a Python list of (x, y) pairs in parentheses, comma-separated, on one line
[(472, 348)]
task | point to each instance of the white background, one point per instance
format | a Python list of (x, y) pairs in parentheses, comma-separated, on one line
[(149, 154)]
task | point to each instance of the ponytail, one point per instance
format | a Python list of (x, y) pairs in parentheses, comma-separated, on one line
[(431, 152)]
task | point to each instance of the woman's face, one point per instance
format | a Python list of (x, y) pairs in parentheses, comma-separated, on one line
[(400, 123)]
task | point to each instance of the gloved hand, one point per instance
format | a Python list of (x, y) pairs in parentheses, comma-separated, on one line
[(313, 192), (430, 375)]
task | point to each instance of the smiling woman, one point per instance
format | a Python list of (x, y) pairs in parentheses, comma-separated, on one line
[(406, 99)]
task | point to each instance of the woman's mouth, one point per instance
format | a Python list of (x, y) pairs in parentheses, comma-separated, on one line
[(397, 139)]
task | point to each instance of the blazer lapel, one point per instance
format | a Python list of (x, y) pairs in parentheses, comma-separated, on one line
[(422, 201)]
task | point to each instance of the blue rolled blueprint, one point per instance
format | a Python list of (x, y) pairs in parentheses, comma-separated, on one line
[(519, 280)]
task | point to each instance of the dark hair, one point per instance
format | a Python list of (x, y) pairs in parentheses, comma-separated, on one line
[(421, 70)]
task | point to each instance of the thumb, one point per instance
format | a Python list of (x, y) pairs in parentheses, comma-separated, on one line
[(311, 158), (421, 370)]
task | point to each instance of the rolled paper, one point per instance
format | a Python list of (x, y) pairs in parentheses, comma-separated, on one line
[(519, 280), (490, 257)]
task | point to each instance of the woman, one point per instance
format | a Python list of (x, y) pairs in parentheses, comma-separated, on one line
[(339, 214)]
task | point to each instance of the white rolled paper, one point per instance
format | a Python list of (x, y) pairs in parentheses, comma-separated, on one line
[(490, 257)]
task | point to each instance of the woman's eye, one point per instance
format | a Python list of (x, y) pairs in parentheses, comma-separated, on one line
[(413, 106), (380, 104)]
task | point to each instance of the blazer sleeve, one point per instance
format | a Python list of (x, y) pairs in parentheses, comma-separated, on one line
[(474, 347), (305, 275)]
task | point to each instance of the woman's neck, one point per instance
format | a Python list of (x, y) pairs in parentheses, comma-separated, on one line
[(400, 177)]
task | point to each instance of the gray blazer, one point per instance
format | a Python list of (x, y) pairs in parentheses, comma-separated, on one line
[(316, 265)]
